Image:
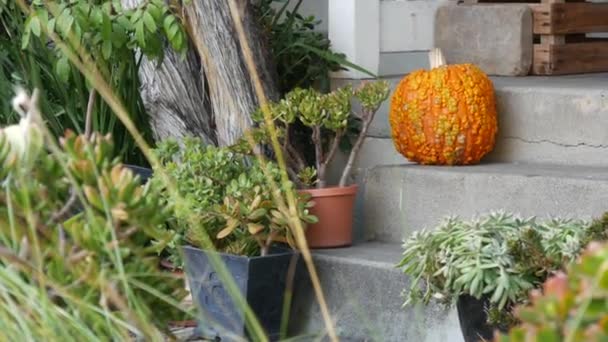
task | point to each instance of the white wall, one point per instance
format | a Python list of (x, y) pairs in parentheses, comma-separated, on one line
[(407, 25), (373, 33), (318, 8)]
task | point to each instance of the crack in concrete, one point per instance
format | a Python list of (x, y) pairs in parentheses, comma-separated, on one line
[(529, 141), (546, 141)]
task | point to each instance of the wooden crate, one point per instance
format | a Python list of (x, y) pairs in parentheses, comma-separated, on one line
[(561, 46)]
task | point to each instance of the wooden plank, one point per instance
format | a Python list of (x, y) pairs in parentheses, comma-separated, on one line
[(541, 18), (565, 18), (541, 62), (574, 58), (548, 39), (544, 13), (573, 38)]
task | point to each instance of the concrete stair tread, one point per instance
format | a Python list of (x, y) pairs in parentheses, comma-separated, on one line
[(375, 254), (363, 289), (567, 83), (598, 173)]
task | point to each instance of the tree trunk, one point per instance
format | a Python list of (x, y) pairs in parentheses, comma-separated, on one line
[(174, 95), (230, 87)]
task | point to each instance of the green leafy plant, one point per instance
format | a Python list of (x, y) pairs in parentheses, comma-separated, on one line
[(230, 195), (500, 256), (76, 258), (571, 307), (111, 33), (329, 117), (105, 29), (117, 105), (303, 56)]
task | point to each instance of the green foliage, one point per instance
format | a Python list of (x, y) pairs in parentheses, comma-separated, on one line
[(108, 32), (304, 59), (372, 94), (105, 29), (598, 230), (329, 116), (302, 55), (571, 307), (76, 260), (308, 176), (500, 256), (230, 195), (330, 111)]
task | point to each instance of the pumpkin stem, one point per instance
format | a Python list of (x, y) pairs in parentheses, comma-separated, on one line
[(436, 58)]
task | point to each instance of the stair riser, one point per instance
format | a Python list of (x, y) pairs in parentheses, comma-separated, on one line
[(536, 124), (561, 127), (366, 304), (398, 201)]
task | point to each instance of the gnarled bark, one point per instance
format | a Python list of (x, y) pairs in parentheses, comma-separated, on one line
[(174, 95), (209, 94), (230, 87), (175, 99)]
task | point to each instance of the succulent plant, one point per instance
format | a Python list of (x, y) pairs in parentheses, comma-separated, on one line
[(329, 117), (501, 256), (572, 306), (231, 196), (76, 232)]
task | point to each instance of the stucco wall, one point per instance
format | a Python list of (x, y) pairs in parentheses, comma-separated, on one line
[(318, 8), (404, 29)]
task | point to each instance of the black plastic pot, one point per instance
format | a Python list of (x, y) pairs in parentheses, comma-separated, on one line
[(143, 172), (474, 320), (261, 280)]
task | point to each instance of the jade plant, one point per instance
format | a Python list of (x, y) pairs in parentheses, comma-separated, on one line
[(329, 118), (231, 197), (571, 306), (500, 257), (76, 232)]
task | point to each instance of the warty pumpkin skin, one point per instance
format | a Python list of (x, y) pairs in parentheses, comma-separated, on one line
[(445, 116)]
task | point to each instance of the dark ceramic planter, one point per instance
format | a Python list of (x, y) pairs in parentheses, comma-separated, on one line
[(143, 172), (261, 280), (474, 320)]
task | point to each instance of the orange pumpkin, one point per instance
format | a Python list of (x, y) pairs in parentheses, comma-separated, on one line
[(444, 116)]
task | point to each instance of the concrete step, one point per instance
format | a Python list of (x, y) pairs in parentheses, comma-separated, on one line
[(398, 200), (363, 289), (559, 120)]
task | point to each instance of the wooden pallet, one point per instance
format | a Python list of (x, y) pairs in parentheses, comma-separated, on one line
[(561, 46)]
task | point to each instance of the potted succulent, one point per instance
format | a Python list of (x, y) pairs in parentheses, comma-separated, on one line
[(329, 118), (488, 265), (232, 201)]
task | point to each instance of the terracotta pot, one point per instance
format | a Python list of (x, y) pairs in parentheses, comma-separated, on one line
[(334, 209)]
